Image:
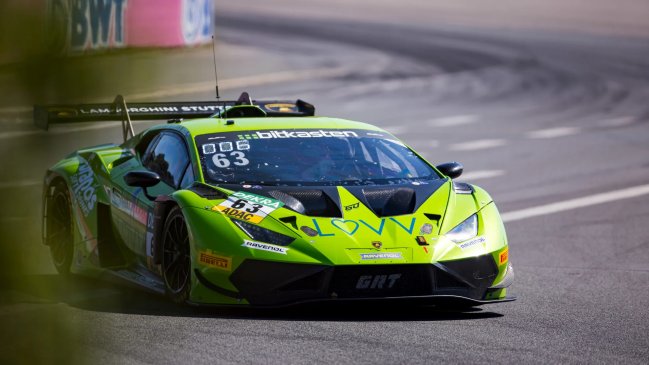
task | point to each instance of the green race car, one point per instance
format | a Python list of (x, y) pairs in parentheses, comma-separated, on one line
[(261, 203)]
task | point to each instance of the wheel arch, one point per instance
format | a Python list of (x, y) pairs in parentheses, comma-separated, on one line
[(161, 208), (60, 172), (49, 182)]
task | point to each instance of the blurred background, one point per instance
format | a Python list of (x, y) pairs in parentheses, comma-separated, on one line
[(543, 101)]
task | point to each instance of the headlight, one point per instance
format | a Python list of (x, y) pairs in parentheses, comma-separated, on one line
[(465, 230), (263, 235)]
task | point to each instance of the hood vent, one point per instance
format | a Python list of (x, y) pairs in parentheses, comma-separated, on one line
[(311, 202), (388, 202), (394, 200)]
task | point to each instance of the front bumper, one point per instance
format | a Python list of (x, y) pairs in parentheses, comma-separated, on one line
[(267, 283)]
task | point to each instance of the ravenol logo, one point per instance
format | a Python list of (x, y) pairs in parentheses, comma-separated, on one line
[(298, 134)]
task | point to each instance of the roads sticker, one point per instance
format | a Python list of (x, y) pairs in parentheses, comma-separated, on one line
[(248, 207), (472, 242), (215, 261), (381, 256), (129, 206), (83, 187), (264, 247)]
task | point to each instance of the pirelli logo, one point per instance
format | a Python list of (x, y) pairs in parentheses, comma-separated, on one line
[(215, 261), (504, 256)]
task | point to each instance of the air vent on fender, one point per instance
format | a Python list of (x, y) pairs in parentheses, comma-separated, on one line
[(311, 202), (206, 191), (462, 188)]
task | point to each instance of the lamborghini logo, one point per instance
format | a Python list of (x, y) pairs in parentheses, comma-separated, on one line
[(377, 244)]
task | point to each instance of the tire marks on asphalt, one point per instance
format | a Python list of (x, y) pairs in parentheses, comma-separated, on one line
[(552, 132), (482, 174), (479, 144), (453, 120)]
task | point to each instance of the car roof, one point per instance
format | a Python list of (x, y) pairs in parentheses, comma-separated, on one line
[(216, 125)]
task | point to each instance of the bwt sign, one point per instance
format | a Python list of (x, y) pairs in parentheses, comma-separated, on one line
[(96, 24), (197, 22)]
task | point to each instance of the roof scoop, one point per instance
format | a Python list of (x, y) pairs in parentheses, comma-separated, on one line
[(244, 99), (241, 111), (242, 108)]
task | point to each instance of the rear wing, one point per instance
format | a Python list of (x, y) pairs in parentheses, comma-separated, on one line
[(118, 110)]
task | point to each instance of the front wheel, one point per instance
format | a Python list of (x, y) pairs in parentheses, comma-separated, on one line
[(59, 233), (176, 261)]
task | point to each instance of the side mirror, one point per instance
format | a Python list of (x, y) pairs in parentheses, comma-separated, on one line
[(451, 169), (142, 179)]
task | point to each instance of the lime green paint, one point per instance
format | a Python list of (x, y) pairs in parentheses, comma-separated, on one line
[(341, 241)]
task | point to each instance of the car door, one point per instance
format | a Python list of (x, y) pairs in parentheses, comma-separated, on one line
[(167, 155)]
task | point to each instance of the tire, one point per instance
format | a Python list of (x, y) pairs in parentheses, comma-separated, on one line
[(176, 261), (59, 228)]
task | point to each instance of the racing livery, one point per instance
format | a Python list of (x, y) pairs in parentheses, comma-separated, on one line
[(262, 203)]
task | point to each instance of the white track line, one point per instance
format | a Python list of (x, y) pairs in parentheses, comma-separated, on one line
[(576, 203), (480, 144), (617, 122), (552, 132), (453, 120), (482, 174)]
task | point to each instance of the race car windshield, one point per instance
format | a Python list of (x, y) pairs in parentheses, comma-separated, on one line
[(309, 157)]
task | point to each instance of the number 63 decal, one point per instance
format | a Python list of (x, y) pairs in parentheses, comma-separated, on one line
[(221, 160), (241, 204)]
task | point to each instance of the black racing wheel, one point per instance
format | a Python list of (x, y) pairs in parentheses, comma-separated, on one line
[(176, 262), (59, 233)]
